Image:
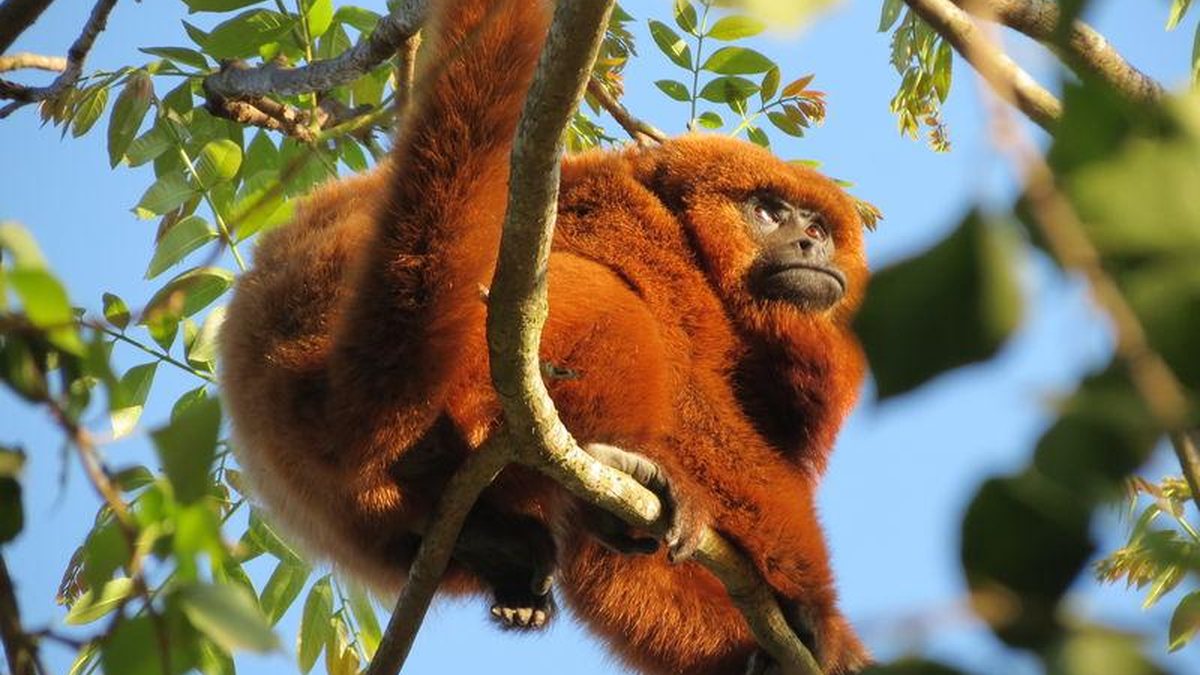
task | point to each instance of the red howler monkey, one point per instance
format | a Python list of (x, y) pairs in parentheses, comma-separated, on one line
[(700, 294)]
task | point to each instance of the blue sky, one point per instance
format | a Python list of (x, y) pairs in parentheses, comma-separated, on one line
[(902, 472)]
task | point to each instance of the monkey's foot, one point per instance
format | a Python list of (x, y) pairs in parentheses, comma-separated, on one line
[(684, 521), (831, 640), (523, 609)]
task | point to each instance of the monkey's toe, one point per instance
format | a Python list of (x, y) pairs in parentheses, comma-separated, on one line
[(523, 611)]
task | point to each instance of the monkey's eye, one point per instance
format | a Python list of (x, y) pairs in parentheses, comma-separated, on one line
[(816, 231), (769, 216)]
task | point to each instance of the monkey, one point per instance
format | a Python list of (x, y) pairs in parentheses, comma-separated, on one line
[(701, 293)]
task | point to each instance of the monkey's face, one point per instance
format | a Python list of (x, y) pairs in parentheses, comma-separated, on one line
[(770, 235)]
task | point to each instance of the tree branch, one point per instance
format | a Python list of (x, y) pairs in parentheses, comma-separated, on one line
[(19, 646), (270, 79), (1005, 77), (76, 56), (640, 131), (16, 16), (1086, 51), (25, 60)]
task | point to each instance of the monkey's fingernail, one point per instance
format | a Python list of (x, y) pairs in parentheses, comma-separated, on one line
[(496, 611), (524, 614), (539, 618)]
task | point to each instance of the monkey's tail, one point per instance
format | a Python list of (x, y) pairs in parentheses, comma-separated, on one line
[(420, 291)]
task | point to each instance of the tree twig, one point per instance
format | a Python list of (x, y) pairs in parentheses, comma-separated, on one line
[(270, 79), (76, 56), (26, 60), (406, 62), (16, 16), (1006, 78), (1085, 51), (639, 130)]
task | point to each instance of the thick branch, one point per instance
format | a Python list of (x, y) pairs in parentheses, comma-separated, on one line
[(271, 80), (16, 16), (25, 60), (1005, 77), (1086, 51), (76, 55), (19, 647)]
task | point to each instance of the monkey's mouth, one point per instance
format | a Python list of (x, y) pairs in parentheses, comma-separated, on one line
[(805, 271)]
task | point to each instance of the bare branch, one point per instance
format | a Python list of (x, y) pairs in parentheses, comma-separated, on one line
[(76, 56), (640, 131), (406, 62), (16, 16), (1086, 51), (26, 60), (20, 648), (268, 113), (1006, 78), (271, 79)]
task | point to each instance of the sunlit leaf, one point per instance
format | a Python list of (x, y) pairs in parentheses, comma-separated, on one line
[(1185, 622), (674, 89), (185, 236), (735, 27), (218, 5), (181, 55), (219, 161), (187, 447), (127, 114), (165, 194), (129, 397), (46, 306), (728, 88), (227, 616), (671, 44), (319, 16), (282, 589), (97, 603), (188, 293), (242, 35), (116, 311), (91, 104), (315, 629), (737, 61)]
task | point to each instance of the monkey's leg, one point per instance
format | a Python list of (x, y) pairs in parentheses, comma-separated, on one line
[(516, 556)]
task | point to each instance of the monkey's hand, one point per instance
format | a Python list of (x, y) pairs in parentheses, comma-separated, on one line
[(830, 639), (516, 556), (684, 520)]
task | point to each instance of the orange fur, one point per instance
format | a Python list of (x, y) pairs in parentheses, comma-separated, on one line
[(355, 364)]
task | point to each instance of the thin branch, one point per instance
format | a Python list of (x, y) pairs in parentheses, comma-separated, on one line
[(26, 61), (1006, 78), (270, 79), (16, 16), (20, 647), (76, 56), (639, 130), (406, 64), (1086, 51)]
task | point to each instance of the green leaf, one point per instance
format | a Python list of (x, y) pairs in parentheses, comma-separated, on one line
[(116, 311), (218, 162), (129, 398), (1178, 9), (261, 535), (218, 5), (891, 12), (105, 550), (728, 88), (770, 85), (368, 621), (132, 648), (22, 371), (758, 137), (1099, 650), (181, 55), (149, 145), (202, 352), (685, 17), (127, 114), (187, 447), (242, 35), (228, 616), (671, 44), (282, 589), (46, 306), (197, 530), (735, 27), (319, 16), (710, 120), (785, 124), (215, 661), (182, 238), (315, 629), (133, 478), (737, 61), (97, 603), (91, 104), (363, 20), (352, 155), (943, 71), (966, 290), (12, 513), (674, 89), (24, 249), (796, 87), (1185, 622), (188, 293), (164, 195)]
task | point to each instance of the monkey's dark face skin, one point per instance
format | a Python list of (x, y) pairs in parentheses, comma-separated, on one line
[(796, 260)]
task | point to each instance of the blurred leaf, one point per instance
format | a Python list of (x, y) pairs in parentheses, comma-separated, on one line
[(891, 12), (671, 44), (369, 631), (315, 629), (1185, 621), (202, 352), (364, 20), (319, 16), (104, 552), (770, 84), (188, 293), (1165, 294), (116, 312), (218, 5), (737, 61), (198, 530), (674, 89), (133, 478), (97, 603), (215, 661), (187, 446), (132, 648), (22, 371), (735, 27), (165, 194), (282, 589), (12, 513), (1100, 651), (131, 106), (219, 161), (242, 35), (228, 616), (911, 666), (129, 398), (24, 249), (965, 291), (1178, 9), (45, 303)]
